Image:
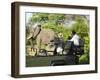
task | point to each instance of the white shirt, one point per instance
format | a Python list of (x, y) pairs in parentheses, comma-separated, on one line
[(75, 39)]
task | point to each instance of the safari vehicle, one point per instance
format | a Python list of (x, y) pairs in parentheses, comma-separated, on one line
[(69, 57)]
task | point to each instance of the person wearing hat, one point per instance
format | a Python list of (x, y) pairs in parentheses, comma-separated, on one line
[(60, 44)]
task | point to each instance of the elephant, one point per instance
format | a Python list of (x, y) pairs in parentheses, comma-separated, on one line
[(43, 39)]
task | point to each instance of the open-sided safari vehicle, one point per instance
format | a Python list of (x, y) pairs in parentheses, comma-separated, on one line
[(69, 56)]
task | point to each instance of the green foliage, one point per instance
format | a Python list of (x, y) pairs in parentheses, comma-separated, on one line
[(38, 17), (81, 27), (46, 17), (84, 59), (57, 29)]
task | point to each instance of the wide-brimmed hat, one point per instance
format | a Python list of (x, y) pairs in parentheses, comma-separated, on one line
[(60, 35)]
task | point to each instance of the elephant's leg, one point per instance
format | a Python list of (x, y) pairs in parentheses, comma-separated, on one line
[(33, 50), (38, 46)]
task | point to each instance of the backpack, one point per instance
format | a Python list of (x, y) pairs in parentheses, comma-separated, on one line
[(81, 42)]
